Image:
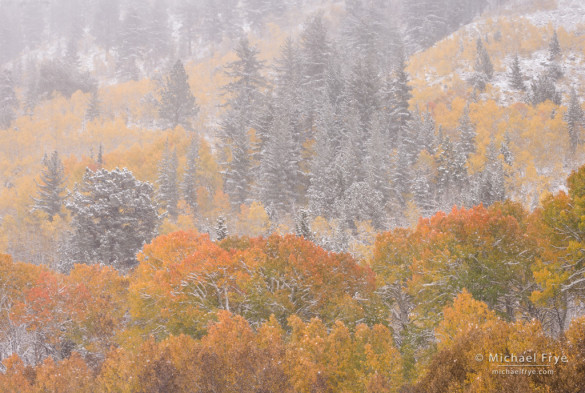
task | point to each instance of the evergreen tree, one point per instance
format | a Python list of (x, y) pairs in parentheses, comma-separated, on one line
[(279, 167), (106, 23), (130, 45), (177, 104), (554, 47), (190, 177), (302, 226), (11, 40), (515, 76), (505, 150), (8, 101), (493, 180), (100, 157), (427, 138), (324, 179), (467, 134), (50, 190), (364, 91), (188, 17), (315, 52), (33, 22), (575, 119), (168, 192), (93, 108), (397, 101), (221, 231), (543, 89), (451, 175), (113, 217), (159, 34), (422, 188), (244, 97), (483, 67)]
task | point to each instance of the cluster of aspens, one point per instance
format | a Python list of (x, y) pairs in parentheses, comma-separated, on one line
[(282, 312)]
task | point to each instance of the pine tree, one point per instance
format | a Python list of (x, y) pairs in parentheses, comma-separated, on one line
[(399, 96), (8, 101), (130, 46), (467, 134), (364, 91), (505, 150), (113, 216), (451, 175), (483, 67), (554, 47), (427, 138), (302, 226), (159, 34), (493, 180), (515, 76), (177, 104), (106, 23), (315, 52), (187, 13), (93, 108), (168, 192), (244, 97), (221, 231), (324, 183), (543, 89), (100, 157), (575, 119), (50, 190), (190, 177), (279, 166)]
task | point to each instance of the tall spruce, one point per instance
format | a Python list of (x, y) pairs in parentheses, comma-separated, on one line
[(245, 95), (168, 190), (189, 186), (51, 188), (93, 108), (398, 98), (554, 47), (467, 134), (575, 119), (221, 230), (177, 104), (8, 101), (515, 76)]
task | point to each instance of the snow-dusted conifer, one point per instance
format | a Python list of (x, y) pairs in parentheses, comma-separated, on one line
[(8, 101), (189, 186), (177, 104), (113, 217), (302, 225), (554, 47), (168, 191), (515, 76), (467, 134), (575, 119), (221, 230), (51, 189), (244, 95), (93, 108)]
